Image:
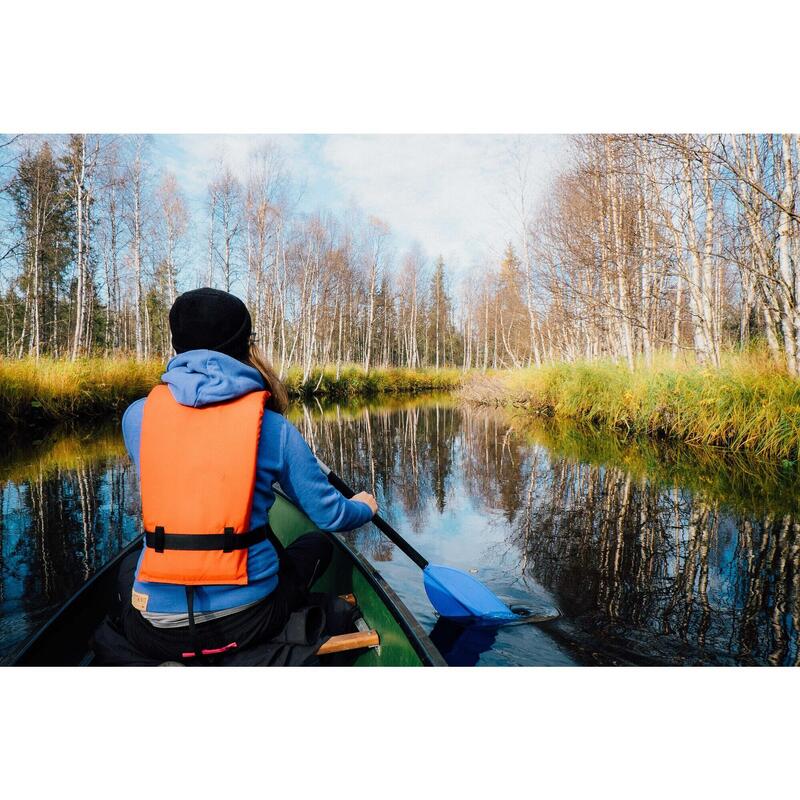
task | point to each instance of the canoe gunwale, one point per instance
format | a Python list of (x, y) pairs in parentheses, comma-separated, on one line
[(414, 632), (31, 644)]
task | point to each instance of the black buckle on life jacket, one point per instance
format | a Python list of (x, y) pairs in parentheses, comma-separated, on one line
[(159, 539), (229, 542)]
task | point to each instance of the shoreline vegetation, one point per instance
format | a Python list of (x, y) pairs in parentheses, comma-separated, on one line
[(51, 391), (643, 250), (747, 405)]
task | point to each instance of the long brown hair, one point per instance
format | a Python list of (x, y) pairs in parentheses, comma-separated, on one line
[(278, 398)]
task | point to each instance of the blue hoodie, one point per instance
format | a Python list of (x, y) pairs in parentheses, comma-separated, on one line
[(197, 378)]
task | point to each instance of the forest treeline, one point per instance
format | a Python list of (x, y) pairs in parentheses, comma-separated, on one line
[(643, 243), (684, 242), (96, 243)]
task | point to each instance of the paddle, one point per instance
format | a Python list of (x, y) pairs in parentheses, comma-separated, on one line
[(452, 592)]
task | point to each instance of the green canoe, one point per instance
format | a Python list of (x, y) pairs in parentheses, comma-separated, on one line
[(391, 636)]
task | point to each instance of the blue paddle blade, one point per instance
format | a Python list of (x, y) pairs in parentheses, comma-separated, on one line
[(457, 595)]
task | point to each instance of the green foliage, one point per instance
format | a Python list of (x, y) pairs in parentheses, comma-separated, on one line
[(749, 404), (45, 221)]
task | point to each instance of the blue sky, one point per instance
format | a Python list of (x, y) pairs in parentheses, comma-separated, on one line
[(445, 193)]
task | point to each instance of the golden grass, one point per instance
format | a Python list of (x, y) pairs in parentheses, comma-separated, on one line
[(53, 390), (748, 404)]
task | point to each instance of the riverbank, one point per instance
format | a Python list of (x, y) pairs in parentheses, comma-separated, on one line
[(52, 391), (748, 404), (352, 382)]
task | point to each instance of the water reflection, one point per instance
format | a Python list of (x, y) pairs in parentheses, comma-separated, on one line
[(462, 646), (667, 555), (68, 504), (653, 554)]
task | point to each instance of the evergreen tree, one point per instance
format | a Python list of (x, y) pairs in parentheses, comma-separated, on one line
[(42, 208), (511, 309)]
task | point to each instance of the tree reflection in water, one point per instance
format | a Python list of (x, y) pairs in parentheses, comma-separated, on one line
[(653, 553), (68, 504)]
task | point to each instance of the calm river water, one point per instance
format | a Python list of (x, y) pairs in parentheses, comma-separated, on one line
[(651, 554)]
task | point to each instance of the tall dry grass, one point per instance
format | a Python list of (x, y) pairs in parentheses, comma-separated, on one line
[(748, 404), (53, 390), (50, 389)]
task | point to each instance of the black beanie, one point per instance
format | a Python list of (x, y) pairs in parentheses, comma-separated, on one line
[(209, 319)]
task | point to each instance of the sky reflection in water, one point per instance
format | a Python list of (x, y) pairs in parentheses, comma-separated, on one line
[(653, 555)]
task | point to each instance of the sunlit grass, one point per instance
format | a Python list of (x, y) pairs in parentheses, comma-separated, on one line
[(53, 390), (748, 404)]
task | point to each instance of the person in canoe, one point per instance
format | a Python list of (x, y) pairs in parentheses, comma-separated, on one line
[(209, 442)]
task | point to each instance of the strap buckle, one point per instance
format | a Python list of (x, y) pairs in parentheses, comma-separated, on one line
[(227, 541), (159, 539)]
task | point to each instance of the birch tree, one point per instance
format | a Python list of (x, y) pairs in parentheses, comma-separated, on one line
[(135, 223), (377, 234)]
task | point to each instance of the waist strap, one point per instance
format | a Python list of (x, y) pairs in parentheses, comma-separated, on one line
[(228, 541)]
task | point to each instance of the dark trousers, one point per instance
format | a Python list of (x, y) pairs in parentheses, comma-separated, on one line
[(301, 563)]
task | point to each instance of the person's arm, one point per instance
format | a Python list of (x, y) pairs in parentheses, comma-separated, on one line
[(306, 484), (132, 430)]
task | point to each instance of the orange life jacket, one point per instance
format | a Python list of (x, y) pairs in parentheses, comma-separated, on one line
[(198, 468)]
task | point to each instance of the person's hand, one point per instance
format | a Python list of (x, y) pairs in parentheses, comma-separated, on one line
[(367, 499)]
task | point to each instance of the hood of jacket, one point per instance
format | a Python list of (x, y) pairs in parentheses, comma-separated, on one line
[(201, 377)]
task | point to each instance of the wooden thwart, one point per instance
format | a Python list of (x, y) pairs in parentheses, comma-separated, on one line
[(349, 641)]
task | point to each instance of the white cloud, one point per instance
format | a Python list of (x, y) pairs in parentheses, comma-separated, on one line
[(446, 192), (198, 155)]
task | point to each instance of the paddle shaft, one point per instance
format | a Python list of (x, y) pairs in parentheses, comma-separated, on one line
[(381, 524)]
